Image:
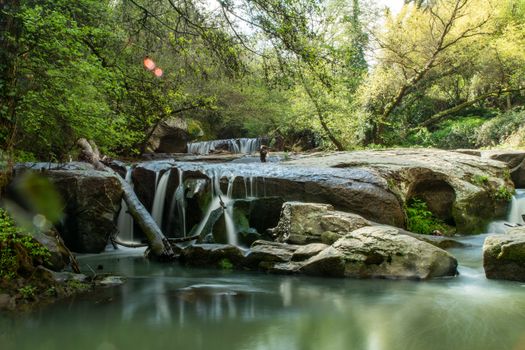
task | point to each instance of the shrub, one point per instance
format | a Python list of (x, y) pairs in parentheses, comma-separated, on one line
[(503, 194), (15, 246), (496, 130), (420, 219), (461, 133)]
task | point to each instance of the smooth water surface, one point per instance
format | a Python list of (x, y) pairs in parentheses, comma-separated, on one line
[(168, 306)]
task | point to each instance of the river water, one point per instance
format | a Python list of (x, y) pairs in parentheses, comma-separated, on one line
[(173, 307), (168, 306)]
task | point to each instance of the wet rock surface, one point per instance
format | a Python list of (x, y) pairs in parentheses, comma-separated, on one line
[(381, 252), (92, 200), (504, 255), (377, 251), (169, 136), (464, 190)]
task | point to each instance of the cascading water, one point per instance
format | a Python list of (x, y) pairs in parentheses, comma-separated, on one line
[(243, 145), (179, 200), (177, 207), (249, 146), (514, 216), (125, 220), (160, 197)]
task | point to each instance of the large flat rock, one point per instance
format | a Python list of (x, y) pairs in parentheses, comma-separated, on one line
[(463, 189)]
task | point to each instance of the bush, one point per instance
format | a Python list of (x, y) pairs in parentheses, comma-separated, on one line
[(16, 248), (461, 133), (499, 128), (421, 220)]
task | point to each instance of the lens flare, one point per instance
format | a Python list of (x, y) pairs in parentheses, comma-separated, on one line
[(158, 72), (149, 64)]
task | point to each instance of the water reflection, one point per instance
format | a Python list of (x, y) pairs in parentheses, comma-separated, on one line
[(169, 306)]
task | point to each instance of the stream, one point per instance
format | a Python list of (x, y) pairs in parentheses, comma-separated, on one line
[(170, 306), (176, 307)]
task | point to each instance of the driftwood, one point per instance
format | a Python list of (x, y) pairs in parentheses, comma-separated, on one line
[(159, 245), (117, 241)]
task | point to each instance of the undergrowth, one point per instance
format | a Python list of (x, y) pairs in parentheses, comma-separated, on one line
[(421, 220), (17, 248)]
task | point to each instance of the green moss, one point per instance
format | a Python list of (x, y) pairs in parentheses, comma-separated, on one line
[(503, 194), (480, 180), (506, 174), (225, 264), (27, 291), (421, 220)]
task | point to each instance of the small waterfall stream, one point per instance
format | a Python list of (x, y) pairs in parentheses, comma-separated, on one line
[(160, 197), (125, 220), (242, 145), (514, 216)]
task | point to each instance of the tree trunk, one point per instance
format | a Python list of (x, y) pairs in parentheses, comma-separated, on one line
[(159, 245), (440, 116)]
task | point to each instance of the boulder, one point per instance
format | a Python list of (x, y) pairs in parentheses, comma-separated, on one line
[(169, 136), (328, 263), (307, 251), (300, 223), (60, 256), (514, 159), (303, 223), (464, 190), (92, 201), (205, 255), (265, 254), (504, 255), (346, 189), (381, 252)]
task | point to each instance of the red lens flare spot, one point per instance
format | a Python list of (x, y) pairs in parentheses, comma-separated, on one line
[(149, 64), (158, 72)]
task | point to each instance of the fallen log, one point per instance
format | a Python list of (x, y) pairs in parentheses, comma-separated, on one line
[(160, 247)]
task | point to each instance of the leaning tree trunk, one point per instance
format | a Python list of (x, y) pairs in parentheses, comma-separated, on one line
[(159, 245)]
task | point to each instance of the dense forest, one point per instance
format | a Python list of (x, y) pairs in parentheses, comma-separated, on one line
[(344, 74)]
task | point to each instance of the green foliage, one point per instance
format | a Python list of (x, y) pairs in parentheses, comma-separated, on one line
[(503, 194), (496, 130), (225, 264), (77, 286), (421, 220), (460, 133), (12, 239), (27, 291), (74, 69), (480, 180)]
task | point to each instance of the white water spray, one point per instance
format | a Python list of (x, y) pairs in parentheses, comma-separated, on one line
[(514, 216), (125, 220), (160, 197), (243, 145)]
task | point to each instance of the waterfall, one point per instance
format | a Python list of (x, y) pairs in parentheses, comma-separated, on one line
[(243, 145), (219, 199), (159, 199), (249, 146), (125, 220), (228, 214), (517, 208), (179, 199)]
